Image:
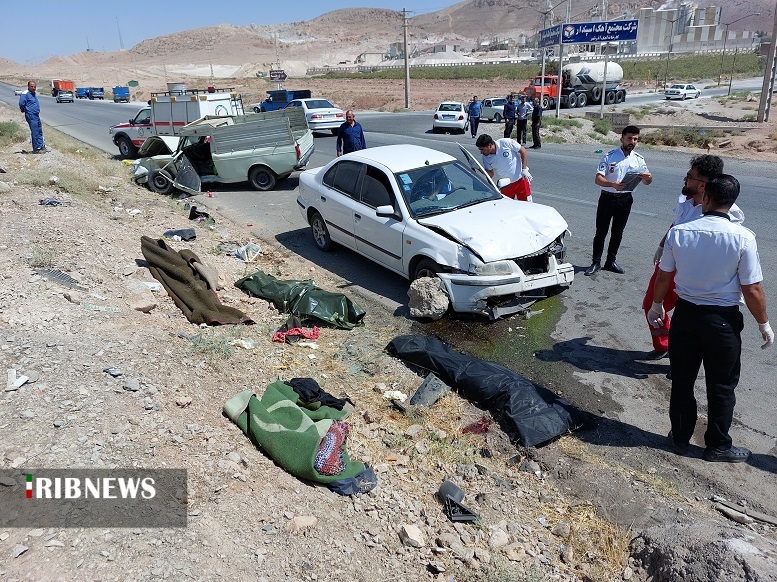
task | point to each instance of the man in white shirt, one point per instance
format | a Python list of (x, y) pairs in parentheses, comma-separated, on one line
[(507, 159), (716, 268)]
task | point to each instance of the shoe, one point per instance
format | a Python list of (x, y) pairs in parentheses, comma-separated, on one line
[(678, 448), (656, 354), (594, 268), (614, 267), (732, 455)]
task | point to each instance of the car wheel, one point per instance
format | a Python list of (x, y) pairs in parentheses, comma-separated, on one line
[(545, 102), (683, 97), (426, 268), (334, 131), (620, 96), (582, 100), (698, 93), (127, 149), (667, 98), (160, 181), (257, 109), (596, 94), (497, 118), (572, 101), (261, 178), (320, 232)]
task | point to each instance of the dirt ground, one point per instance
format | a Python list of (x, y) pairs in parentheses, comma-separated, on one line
[(247, 517)]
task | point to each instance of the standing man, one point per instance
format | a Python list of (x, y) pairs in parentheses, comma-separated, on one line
[(350, 136), (29, 105), (615, 199), (474, 110), (523, 113), (507, 158), (716, 267), (509, 115), (536, 123), (703, 168)]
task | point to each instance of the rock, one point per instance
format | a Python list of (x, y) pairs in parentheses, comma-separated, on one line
[(54, 544), (74, 297), (183, 401), (566, 555), (411, 536), (301, 522), (515, 552), (561, 529), (18, 550), (131, 384), (3, 189), (7, 481), (427, 298), (414, 431), (628, 573), (234, 457), (482, 555), (53, 180), (446, 540), (36, 533), (498, 538)]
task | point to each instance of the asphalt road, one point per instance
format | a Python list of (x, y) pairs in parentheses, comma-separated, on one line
[(603, 312)]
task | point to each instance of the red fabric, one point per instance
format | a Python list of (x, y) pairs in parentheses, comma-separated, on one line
[(660, 335), (280, 336), (518, 190)]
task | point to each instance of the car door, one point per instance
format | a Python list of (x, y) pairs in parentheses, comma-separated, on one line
[(379, 237), (337, 198)]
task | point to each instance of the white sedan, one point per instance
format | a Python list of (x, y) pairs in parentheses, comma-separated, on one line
[(321, 114), (423, 213), (681, 91), (19, 91), (450, 115)]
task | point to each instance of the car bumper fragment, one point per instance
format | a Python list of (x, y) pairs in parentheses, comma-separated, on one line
[(496, 296)]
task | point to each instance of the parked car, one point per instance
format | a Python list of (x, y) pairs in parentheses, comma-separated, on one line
[(493, 109), (320, 113), (260, 150), (682, 91), (450, 115), (65, 97), (19, 91), (422, 213)]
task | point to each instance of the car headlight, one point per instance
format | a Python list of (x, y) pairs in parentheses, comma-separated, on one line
[(495, 268)]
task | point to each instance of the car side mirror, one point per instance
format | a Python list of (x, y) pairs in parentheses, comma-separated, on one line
[(132, 122), (502, 183), (386, 211)]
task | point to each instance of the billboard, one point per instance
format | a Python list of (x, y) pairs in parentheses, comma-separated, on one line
[(581, 32)]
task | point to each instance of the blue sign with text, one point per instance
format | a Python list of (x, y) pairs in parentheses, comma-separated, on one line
[(612, 30), (550, 36)]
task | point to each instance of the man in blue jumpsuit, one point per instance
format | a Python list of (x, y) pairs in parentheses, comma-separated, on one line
[(350, 136), (28, 104), (474, 110)]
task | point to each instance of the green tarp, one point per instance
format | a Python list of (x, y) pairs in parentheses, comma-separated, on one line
[(287, 432), (304, 299)]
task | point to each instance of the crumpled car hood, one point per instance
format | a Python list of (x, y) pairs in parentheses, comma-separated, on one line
[(501, 229)]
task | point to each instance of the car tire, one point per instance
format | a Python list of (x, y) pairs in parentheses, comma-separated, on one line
[(698, 94), (545, 102), (321, 237), (160, 181), (609, 97), (596, 94), (582, 100), (497, 118), (683, 97), (127, 149), (667, 98), (261, 178), (334, 131), (426, 268), (620, 96), (257, 109), (572, 101)]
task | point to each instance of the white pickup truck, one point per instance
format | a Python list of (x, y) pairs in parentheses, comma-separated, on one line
[(168, 112), (260, 149)]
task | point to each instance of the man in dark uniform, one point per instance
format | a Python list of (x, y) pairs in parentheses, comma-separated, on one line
[(536, 123), (350, 136), (508, 112), (716, 267), (615, 199)]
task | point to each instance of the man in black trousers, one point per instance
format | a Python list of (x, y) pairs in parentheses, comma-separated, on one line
[(619, 172), (716, 268)]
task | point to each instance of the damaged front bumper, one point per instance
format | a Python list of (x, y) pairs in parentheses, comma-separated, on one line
[(497, 296)]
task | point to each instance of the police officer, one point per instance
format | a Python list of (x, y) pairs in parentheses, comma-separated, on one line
[(615, 199), (716, 267)]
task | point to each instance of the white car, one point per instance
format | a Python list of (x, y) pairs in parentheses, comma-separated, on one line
[(320, 113), (423, 213), (450, 116), (682, 91), (493, 109), (65, 97)]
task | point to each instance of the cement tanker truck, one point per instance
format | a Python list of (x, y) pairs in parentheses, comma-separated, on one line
[(581, 85)]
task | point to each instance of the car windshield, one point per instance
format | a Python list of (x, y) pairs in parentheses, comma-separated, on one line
[(537, 82), (449, 107), (677, 87), (319, 104), (442, 188)]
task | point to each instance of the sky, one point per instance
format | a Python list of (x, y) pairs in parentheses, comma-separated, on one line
[(37, 30)]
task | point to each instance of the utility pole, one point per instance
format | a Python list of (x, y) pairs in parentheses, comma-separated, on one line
[(407, 59), (768, 84), (121, 41)]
